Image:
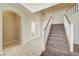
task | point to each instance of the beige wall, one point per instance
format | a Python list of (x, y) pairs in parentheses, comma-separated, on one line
[(26, 18), (57, 12), (5, 7), (74, 19), (58, 17)]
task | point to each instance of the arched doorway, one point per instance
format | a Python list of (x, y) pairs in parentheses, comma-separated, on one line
[(11, 29)]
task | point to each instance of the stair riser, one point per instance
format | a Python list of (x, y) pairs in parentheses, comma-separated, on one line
[(56, 35), (54, 32)]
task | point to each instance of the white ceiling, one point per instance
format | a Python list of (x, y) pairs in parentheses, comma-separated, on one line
[(34, 7)]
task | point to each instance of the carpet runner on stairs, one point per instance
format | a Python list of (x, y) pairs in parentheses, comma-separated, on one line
[(57, 44)]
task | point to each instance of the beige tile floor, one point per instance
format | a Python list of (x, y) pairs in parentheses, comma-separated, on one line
[(18, 50)]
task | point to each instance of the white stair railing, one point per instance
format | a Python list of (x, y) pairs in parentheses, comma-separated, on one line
[(71, 11), (69, 32), (69, 27), (47, 29)]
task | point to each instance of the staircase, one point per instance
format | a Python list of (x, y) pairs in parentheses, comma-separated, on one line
[(57, 44)]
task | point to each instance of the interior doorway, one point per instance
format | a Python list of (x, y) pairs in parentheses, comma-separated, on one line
[(11, 29)]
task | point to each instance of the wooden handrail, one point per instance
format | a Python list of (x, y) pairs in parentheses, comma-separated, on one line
[(48, 22), (67, 18)]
